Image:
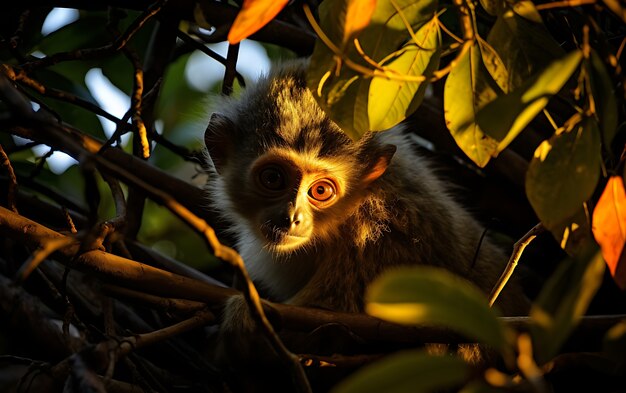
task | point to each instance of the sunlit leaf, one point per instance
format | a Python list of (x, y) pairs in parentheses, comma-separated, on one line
[(523, 43), (387, 30), (493, 7), (609, 227), (563, 300), (564, 172), (572, 233), (504, 118), (343, 92), (527, 10), (409, 371), (253, 15), (358, 16), (604, 97), (432, 296), (468, 88), (494, 64), (389, 102)]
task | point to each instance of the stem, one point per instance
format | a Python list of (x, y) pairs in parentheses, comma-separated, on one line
[(518, 249)]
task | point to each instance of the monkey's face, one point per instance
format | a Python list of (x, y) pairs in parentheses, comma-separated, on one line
[(290, 198)]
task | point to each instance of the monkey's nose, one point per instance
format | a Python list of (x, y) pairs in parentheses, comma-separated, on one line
[(290, 220)]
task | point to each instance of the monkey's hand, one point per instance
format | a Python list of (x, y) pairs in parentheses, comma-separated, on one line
[(238, 334), (242, 349)]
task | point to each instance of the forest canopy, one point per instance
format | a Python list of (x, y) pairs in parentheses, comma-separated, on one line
[(112, 270)]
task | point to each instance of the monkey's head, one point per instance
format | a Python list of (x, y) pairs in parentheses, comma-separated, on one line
[(286, 173)]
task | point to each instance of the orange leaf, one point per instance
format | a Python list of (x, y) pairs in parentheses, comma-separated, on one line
[(358, 16), (253, 15), (609, 226)]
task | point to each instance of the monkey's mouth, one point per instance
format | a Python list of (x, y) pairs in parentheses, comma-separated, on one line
[(280, 240)]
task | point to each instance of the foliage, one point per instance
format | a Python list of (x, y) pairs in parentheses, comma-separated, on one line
[(501, 72), (500, 67)]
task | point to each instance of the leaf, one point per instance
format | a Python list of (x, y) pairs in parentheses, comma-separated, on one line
[(604, 97), (389, 102), (609, 227), (358, 16), (564, 173), (494, 64), (504, 118), (408, 371), (468, 88), (387, 31), (253, 15), (433, 296), (342, 92), (493, 7), (523, 43), (563, 300), (614, 344), (573, 233)]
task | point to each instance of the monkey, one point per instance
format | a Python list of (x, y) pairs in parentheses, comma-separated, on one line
[(318, 216)]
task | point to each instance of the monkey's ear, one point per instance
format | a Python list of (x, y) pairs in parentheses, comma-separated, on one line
[(218, 139), (378, 163)]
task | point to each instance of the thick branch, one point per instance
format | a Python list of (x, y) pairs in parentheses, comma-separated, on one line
[(120, 271)]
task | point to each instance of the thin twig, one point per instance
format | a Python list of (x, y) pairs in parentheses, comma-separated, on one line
[(564, 3), (95, 53), (221, 251), (207, 51), (38, 256), (230, 70), (168, 305), (136, 97), (518, 249), (12, 189), (111, 350), (21, 76), (385, 72)]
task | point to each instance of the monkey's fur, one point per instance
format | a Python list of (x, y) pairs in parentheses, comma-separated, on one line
[(389, 209)]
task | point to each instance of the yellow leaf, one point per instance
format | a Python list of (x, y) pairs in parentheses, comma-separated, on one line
[(253, 15), (609, 224), (358, 16)]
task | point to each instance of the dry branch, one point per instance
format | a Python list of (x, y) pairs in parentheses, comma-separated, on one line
[(120, 271)]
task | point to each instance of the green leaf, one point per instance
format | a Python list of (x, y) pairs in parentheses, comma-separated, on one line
[(387, 30), (494, 64), (342, 92), (468, 88), (604, 97), (409, 371), (564, 173), (563, 300), (523, 43), (389, 102), (433, 296), (81, 118), (73, 36), (504, 118)]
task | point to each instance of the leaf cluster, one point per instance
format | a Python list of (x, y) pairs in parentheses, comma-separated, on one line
[(103, 250)]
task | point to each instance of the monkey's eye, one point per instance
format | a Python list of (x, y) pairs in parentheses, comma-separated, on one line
[(322, 190), (272, 178)]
